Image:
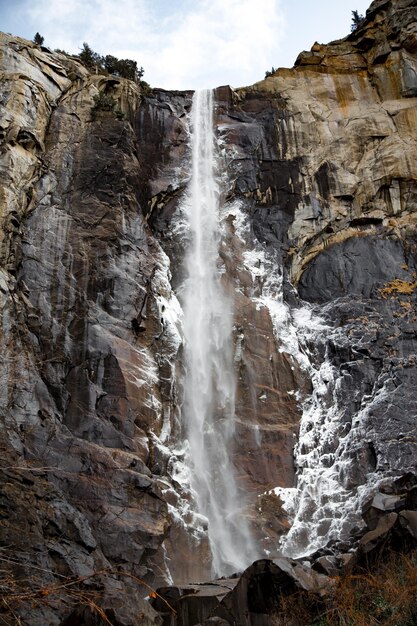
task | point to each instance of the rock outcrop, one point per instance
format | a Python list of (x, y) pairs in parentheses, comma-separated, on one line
[(271, 591), (249, 600), (319, 256), (80, 381), (326, 156)]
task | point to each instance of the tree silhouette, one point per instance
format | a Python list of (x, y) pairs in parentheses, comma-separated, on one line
[(357, 20), (38, 39), (89, 58)]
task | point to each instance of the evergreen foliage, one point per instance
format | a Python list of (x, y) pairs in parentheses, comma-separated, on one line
[(269, 73), (102, 102), (89, 58), (105, 102), (357, 20), (145, 87), (38, 39), (125, 68)]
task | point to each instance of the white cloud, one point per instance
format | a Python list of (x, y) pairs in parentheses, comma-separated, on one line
[(180, 45), (223, 41), (103, 24)]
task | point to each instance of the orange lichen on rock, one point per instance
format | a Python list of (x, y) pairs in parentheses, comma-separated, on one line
[(398, 286)]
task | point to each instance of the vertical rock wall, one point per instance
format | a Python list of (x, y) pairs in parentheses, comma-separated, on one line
[(320, 194), (81, 282), (327, 156)]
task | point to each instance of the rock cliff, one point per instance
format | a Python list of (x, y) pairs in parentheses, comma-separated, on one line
[(327, 164), (320, 258)]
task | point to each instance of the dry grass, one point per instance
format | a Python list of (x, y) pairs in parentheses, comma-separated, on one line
[(18, 593), (382, 595), (388, 596)]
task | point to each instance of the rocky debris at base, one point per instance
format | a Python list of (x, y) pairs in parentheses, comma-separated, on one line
[(252, 598), (247, 600)]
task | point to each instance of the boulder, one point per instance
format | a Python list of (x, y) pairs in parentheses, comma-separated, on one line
[(408, 520), (249, 600), (372, 539)]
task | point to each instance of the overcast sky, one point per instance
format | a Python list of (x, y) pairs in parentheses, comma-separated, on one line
[(186, 44)]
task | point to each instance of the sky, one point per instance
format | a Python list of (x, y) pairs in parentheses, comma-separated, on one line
[(186, 44)]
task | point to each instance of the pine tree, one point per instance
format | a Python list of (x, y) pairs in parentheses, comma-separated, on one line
[(38, 39), (357, 20), (127, 68), (270, 73), (89, 58)]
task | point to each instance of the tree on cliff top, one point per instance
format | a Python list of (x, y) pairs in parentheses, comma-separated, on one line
[(89, 58), (38, 39), (357, 20), (270, 73), (126, 68)]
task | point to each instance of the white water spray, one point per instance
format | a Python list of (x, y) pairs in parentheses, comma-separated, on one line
[(210, 381), (323, 506)]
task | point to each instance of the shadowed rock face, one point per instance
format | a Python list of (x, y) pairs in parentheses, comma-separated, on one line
[(251, 600), (321, 182), (79, 376), (361, 266)]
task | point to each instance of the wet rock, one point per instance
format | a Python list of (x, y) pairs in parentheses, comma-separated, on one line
[(213, 621), (82, 270), (408, 520), (411, 498), (134, 612), (328, 565), (249, 600), (375, 537), (322, 163), (379, 504), (191, 604), (347, 562), (343, 228)]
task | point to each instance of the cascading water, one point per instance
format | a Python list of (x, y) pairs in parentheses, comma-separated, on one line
[(326, 502), (210, 381)]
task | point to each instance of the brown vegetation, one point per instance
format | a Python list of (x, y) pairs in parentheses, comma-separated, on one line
[(384, 594), (17, 593), (397, 286)]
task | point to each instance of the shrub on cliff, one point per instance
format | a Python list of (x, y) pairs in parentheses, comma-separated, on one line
[(105, 102), (145, 87), (102, 102), (270, 73)]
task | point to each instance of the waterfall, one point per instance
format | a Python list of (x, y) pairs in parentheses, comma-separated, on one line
[(210, 382)]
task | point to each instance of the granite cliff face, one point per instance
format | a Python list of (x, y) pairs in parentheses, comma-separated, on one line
[(319, 256), (81, 383), (327, 163)]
